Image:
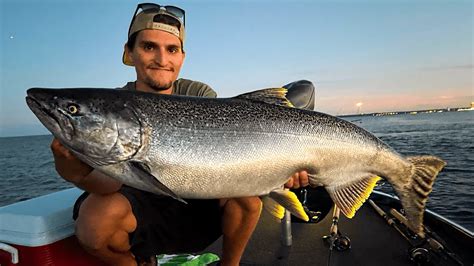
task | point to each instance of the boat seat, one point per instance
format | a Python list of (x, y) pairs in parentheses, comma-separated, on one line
[(301, 94)]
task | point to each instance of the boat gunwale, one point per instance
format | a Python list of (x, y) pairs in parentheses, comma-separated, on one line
[(436, 215)]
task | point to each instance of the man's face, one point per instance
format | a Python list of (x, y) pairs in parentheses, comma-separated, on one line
[(158, 58)]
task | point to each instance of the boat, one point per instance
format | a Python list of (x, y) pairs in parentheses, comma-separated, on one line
[(40, 231)]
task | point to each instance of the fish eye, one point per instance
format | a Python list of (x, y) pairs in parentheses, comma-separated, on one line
[(73, 109)]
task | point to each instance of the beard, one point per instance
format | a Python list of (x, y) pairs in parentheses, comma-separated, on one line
[(156, 86)]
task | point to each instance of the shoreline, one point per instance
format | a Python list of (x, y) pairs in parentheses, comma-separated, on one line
[(413, 112)]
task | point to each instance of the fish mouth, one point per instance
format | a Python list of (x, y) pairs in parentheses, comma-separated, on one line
[(52, 118)]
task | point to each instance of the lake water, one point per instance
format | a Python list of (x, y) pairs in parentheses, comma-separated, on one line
[(27, 168)]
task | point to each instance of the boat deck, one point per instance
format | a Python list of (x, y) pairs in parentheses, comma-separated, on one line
[(373, 242)]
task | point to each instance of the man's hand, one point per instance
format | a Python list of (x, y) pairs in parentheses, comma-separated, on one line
[(67, 165), (297, 180), (81, 174)]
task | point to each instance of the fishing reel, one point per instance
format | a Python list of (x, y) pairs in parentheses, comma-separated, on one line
[(338, 241), (420, 255), (335, 239)]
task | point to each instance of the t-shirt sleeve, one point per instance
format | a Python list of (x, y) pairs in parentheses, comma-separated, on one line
[(193, 88), (130, 86)]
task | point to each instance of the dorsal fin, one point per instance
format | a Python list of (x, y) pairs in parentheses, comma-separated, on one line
[(271, 96), (350, 197)]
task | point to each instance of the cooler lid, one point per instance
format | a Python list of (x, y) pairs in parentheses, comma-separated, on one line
[(39, 221)]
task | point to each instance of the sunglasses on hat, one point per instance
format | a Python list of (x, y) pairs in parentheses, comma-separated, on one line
[(172, 11)]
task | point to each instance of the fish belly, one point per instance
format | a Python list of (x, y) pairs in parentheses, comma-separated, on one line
[(236, 164), (228, 164)]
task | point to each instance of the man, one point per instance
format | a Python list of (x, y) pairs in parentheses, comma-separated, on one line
[(122, 225)]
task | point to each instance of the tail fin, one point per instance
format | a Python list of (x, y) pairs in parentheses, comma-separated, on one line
[(415, 195)]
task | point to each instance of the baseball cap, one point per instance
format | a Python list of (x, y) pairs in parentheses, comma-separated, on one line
[(148, 16)]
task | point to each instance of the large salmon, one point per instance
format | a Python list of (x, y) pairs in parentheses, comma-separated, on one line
[(190, 147)]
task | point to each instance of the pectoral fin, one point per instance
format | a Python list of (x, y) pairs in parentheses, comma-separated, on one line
[(142, 171), (289, 201), (349, 197), (273, 207)]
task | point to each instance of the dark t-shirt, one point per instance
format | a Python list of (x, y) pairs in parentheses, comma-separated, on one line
[(184, 87)]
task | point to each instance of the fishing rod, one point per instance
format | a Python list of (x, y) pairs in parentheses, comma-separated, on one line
[(417, 254), (421, 248), (392, 223), (335, 238), (434, 240)]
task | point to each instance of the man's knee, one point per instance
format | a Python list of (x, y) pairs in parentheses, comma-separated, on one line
[(101, 217), (248, 204)]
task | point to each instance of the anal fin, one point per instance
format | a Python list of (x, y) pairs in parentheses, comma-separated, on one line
[(350, 197), (289, 201), (272, 207)]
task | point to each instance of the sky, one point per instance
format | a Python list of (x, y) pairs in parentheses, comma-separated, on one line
[(384, 55)]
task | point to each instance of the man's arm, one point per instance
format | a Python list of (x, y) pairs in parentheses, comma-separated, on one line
[(79, 173)]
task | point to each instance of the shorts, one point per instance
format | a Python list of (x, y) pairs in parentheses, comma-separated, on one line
[(165, 225)]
